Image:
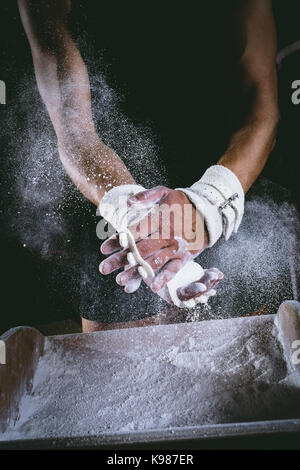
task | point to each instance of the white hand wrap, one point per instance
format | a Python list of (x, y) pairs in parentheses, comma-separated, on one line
[(114, 209), (219, 198)]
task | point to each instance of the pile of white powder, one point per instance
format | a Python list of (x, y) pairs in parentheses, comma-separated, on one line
[(160, 377)]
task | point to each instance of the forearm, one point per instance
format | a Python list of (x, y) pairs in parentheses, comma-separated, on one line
[(93, 167), (254, 98), (239, 166), (64, 87), (250, 147)]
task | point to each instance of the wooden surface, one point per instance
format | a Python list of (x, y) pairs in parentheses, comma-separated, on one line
[(24, 346)]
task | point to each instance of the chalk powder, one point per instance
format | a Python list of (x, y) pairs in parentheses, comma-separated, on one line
[(158, 378)]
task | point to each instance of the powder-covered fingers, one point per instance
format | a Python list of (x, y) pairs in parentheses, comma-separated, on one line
[(133, 285), (166, 261), (111, 245), (211, 277), (114, 262), (169, 271), (128, 275), (119, 241), (148, 197), (130, 279), (203, 288), (122, 258), (193, 290)]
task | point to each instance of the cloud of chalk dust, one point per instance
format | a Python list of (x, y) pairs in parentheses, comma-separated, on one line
[(34, 180), (42, 199)]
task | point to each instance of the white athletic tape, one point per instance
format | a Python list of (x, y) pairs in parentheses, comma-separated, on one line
[(123, 240), (219, 198), (115, 210), (131, 259), (146, 270)]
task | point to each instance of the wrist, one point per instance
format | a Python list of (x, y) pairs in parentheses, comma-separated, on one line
[(219, 198), (193, 228)]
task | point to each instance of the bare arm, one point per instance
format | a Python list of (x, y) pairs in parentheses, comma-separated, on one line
[(64, 87), (255, 100)]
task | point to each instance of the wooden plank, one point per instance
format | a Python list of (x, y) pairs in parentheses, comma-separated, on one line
[(23, 348)]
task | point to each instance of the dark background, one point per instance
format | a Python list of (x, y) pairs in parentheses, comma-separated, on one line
[(151, 61)]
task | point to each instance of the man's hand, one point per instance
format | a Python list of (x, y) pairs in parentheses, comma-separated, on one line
[(167, 238)]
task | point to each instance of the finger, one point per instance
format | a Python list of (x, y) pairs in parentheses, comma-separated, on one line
[(195, 289), (132, 286), (149, 197), (157, 260), (120, 259), (114, 262), (111, 245), (205, 285), (127, 276), (167, 273), (211, 277)]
